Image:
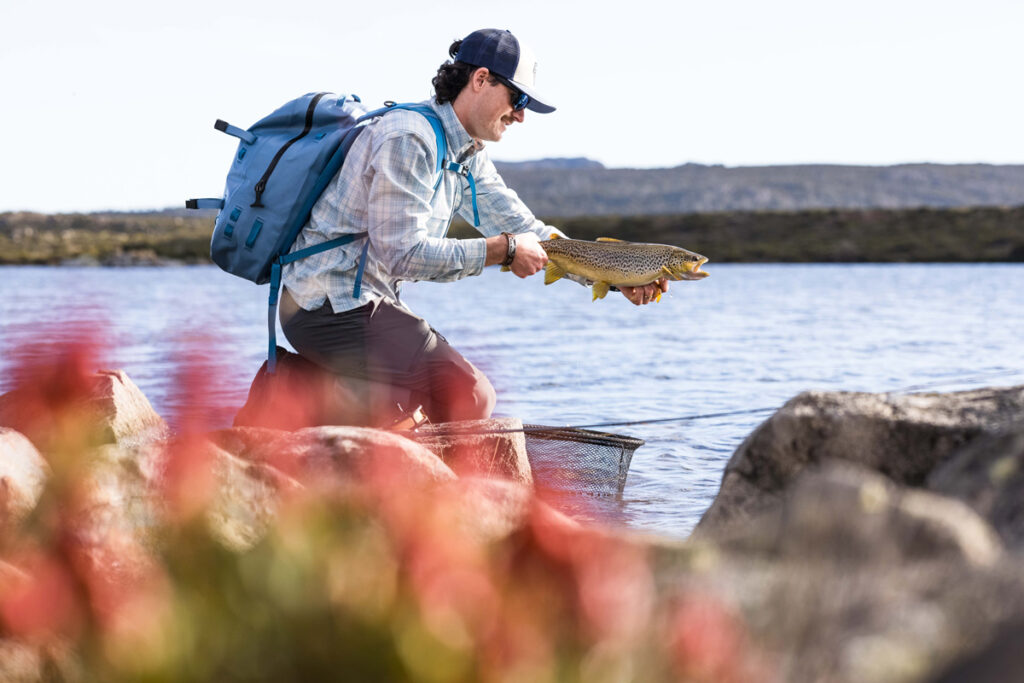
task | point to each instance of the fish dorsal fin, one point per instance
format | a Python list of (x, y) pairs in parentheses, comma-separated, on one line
[(610, 239), (555, 236)]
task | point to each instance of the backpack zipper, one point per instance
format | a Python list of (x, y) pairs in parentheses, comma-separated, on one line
[(261, 186)]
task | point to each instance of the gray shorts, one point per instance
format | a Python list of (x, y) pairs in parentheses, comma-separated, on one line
[(385, 343)]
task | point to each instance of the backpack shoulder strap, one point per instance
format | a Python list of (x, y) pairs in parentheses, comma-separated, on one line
[(442, 150), (435, 124)]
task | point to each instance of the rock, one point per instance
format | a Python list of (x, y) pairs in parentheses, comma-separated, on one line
[(844, 513), (126, 412), (20, 662), (23, 474), (327, 455), (988, 475), (999, 661), (902, 436), (491, 509), (125, 492), (120, 493), (247, 500), (248, 443), (827, 603), (110, 409), (472, 448)]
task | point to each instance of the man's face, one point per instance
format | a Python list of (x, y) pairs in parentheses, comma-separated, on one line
[(493, 112)]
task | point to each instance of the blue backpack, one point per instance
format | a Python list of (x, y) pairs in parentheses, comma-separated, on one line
[(281, 167)]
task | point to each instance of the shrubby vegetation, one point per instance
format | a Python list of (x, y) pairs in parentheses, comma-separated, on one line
[(369, 575), (105, 238)]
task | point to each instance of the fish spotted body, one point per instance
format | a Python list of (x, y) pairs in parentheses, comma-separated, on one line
[(609, 262)]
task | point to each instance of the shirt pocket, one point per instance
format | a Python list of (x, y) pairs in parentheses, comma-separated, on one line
[(443, 205)]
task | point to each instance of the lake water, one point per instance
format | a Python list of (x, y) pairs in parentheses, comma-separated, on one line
[(748, 337)]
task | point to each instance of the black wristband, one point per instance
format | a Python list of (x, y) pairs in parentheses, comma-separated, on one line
[(511, 255)]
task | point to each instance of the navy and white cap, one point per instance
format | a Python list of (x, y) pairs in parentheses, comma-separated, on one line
[(502, 53)]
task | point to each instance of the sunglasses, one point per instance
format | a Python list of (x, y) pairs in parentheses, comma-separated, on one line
[(519, 100)]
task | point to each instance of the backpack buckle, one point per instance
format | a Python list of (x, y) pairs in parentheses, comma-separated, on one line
[(461, 169)]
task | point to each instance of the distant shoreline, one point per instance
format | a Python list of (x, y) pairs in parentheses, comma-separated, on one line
[(923, 235)]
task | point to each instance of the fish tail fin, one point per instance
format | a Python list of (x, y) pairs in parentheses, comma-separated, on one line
[(552, 272), (600, 290)]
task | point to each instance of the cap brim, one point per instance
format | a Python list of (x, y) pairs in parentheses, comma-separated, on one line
[(536, 101)]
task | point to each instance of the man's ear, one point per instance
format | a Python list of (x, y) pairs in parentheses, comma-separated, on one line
[(479, 78)]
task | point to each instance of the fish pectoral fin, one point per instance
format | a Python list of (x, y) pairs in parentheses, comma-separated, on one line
[(600, 290), (552, 272), (610, 239), (667, 272)]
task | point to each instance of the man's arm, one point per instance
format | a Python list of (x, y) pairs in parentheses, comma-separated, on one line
[(399, 208)]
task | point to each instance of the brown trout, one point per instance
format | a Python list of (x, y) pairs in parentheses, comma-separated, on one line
[(609, 262)]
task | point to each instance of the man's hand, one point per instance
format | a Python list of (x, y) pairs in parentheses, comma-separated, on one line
[(530, 257), (645, 294)]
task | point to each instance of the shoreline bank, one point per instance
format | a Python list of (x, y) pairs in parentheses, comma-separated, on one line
[(924, 235)]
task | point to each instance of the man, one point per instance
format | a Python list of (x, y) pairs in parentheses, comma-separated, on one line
[(389, 188)]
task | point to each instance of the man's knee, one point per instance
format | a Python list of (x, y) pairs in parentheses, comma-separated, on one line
[(468, 395), (484, 396)]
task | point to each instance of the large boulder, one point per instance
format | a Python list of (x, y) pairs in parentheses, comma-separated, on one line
[(823, 618), (129, 491), (988, 475), (246, 501), (901, 436), (125, 412), (23, 474), (852, 577), (21, 662), (327, 455), (108, 408), (491, 509), (848, 514)]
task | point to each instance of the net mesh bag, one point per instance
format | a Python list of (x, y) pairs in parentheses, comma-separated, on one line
[(579, 460)]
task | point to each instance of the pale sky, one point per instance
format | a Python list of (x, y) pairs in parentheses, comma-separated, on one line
[(110, 104)]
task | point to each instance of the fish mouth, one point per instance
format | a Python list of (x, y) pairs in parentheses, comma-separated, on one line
[(692, 271)]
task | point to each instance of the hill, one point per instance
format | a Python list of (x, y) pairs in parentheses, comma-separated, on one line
[(560, 189)]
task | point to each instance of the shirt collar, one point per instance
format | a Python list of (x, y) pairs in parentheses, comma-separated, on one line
[(460, 144)]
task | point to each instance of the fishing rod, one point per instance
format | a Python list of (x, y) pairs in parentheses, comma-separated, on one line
[(750, 411)]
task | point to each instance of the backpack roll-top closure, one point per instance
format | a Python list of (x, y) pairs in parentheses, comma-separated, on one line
[(261, 184)]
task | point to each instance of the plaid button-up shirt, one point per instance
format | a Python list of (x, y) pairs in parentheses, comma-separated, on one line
[(387, 188)]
